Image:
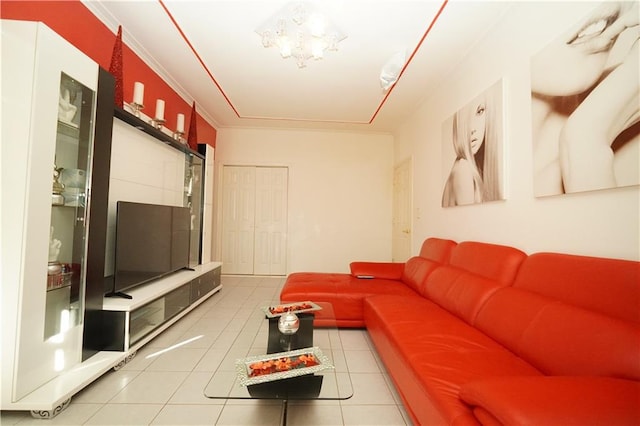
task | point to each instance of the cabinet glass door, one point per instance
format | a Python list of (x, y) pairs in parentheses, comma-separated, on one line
[(193, 197), (54, 102), (69, 197)]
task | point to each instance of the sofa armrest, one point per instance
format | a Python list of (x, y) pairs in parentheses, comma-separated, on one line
[(384, 270), (553, 400)]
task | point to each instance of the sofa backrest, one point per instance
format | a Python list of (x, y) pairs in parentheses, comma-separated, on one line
[(437, 249), (433, 253), (570, 315), (475, 271)]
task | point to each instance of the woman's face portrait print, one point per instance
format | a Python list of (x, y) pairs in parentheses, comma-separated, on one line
[(584, 99), (472, 151)]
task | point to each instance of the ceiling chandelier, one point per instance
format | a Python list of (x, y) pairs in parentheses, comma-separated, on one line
[(301, 32)]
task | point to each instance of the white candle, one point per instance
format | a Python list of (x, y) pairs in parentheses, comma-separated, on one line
[(138, 93), (180, 123), (159, 109)]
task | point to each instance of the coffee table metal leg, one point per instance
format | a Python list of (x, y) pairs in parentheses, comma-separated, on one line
[(283, 418)]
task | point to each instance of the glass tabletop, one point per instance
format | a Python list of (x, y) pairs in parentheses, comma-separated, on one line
[(259, 338)]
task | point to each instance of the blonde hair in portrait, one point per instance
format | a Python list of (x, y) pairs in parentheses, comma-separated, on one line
[(477, 143)]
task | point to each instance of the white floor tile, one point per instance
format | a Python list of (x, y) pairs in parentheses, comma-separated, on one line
[(211, 360), (191, 391), (13, 417), (314, 415), (369, 389), (252, 414), (151, 387), (168, 389), (188, 415), (361, 362), (125, 414), (74, 414), (354, 339), (372, 415), (103, 390), (178, 359)]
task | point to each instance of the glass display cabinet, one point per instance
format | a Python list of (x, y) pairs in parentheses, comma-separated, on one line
[(66, 257), (57, 118), (193, 198)]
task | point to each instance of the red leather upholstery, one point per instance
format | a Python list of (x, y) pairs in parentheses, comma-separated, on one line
[(444, 350), (437, 249), (555, 400), (475, 272), (476, 333), (564, 320), (608, 286), (388, 271), (346, 292)]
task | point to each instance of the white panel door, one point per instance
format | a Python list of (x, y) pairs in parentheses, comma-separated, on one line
[(401, 229), (238, 216), (271, 221), (254, 220)]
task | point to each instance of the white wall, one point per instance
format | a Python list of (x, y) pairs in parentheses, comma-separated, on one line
[(143, 170), (340, 191), (600, 223)]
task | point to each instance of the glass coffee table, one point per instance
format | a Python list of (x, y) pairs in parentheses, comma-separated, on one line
[(259, 343)]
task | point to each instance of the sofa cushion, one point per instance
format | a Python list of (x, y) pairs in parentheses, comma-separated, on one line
[(416, 271), (317, 287), (561, 332), (386, 270), (475, 272), (348, 300), (441, 351), (495, 262), (553, 400), (608, 286), (340, 295), (437, 249)]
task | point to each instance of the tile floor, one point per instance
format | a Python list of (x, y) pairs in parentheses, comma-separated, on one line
[(167, 389)]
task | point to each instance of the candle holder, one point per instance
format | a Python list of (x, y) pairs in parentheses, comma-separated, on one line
[(157, 123), (136, 107), (178, 136)]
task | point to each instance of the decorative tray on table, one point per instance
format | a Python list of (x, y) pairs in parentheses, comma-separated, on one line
[(296, 308), (281, 365)]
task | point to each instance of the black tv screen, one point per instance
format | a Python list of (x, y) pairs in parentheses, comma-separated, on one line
[(151, 241)]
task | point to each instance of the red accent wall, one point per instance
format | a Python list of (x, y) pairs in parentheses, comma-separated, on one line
[(75, 23)]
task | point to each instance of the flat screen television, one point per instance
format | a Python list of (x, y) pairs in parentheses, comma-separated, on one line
[(152, 241)]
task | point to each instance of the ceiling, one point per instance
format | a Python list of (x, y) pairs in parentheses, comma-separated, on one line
[(210, 53)]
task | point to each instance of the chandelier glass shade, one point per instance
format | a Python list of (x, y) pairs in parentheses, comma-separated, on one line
[(301, 32)]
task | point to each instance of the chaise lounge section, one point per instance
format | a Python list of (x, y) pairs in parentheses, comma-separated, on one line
[(477, 333)]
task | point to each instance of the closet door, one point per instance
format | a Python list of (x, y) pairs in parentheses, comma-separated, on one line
[(254, 220), (271, 221), (238, 216)]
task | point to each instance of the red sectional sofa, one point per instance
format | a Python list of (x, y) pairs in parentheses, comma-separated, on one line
[(475, 333)]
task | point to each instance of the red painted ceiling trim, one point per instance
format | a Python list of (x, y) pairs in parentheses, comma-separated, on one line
[(198, 57), (210, 74), (444, 3)]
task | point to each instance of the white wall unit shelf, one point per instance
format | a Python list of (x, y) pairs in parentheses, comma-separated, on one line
[(39, 68), (156, 305), (51, 398)]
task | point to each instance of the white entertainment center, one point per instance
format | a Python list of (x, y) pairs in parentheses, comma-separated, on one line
[(54, 396), (59, 332), (155, 306)]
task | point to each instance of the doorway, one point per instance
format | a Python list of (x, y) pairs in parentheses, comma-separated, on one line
[(402, 207), (254, 220)]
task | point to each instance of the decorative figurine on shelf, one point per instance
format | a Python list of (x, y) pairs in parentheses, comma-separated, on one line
[(54, 247), (66, 109), (54, 268), (57, 188)]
